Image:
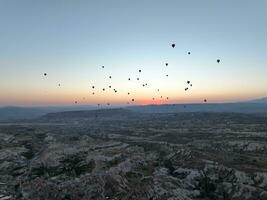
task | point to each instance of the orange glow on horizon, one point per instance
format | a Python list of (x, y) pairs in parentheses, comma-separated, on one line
[(156, 101), (63, 96)]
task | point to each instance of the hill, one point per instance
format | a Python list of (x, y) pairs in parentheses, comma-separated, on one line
[(261, 100), (115, 113), (221, 107), (19, 113)]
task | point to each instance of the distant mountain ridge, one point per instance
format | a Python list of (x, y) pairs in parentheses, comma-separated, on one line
[(114, 113), (214, 107), (261, 100), (19, 113), (24, 113)]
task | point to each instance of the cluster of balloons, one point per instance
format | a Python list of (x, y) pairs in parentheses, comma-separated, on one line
[(189, 84)]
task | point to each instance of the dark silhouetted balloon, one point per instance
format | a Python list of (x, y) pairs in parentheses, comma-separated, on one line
[(93, 93), (128, 93), (167, 98), (137, 79), (129, 79), (218, 60), (132, 99), (186, 89), (103, 89), (93, 87), (188, 52), (109, 86), (188, 82), (110, 77), (205, 100), (45, 74), (103, 66), (167, 75), (173, 45), (166, 64), (76, 102)]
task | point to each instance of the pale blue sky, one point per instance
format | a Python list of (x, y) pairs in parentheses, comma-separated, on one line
[(71, 40)]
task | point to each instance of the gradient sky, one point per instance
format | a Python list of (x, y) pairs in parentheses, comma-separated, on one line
[(71, 40)]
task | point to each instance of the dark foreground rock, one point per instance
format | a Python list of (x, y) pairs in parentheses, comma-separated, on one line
[(139, 157)]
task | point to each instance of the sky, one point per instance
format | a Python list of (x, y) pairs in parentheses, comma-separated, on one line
[(71, 40)]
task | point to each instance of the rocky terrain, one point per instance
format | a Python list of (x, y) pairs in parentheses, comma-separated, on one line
[(119, 154)]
